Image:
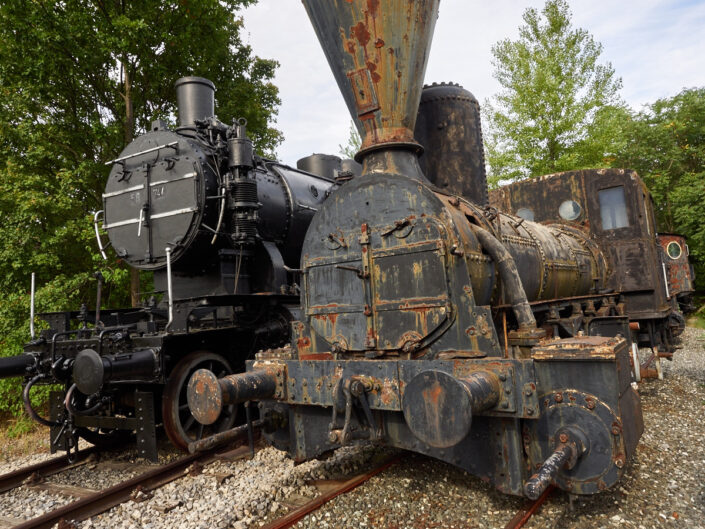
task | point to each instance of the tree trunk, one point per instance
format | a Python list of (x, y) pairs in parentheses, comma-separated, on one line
[(129, 133)]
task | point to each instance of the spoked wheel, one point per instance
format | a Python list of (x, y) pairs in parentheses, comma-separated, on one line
[(180, 426)]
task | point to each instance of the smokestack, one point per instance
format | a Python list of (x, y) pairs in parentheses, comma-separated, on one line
[(378, 50), (194, 100)]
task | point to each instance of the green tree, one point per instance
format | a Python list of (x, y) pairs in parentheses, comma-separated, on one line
[(559, 107), (349, 150), (78, 80), (665, 144)]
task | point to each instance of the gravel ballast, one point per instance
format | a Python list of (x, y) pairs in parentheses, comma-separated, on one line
[(664, 485)]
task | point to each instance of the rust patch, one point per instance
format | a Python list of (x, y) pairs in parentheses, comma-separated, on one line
[(316, 356), (433, 394), (360, 32), (372, 67)]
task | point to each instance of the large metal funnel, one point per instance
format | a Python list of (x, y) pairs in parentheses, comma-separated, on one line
[(378, 50)]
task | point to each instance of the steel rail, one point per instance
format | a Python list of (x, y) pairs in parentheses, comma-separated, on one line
[(296, 515), (524, 514), (50, 466), (101, 501)]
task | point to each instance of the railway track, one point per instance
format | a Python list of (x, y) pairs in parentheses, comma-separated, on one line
[(91, 502), (140, 487)]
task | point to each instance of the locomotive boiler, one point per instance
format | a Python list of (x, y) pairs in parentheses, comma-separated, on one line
[(221, 229), (417, 327)]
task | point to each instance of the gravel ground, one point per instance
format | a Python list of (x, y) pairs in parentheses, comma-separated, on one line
[(663, 485)]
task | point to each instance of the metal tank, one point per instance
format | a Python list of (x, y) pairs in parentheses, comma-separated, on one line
[(449, 129)]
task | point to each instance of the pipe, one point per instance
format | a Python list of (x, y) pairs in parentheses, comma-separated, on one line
[(31, 309), (223, 437), (508, 273), (28, 403), (15, 366), (207, 395), (169, 289)]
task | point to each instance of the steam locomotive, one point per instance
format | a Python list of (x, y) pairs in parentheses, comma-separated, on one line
[(221, 229), (496, 333)]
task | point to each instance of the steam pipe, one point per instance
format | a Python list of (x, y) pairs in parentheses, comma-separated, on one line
[(513, 287)]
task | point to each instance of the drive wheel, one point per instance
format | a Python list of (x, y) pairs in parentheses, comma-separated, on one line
[(180, 426)]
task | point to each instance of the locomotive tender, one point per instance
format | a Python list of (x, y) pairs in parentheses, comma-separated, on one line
[(432, 321), (221, 230)]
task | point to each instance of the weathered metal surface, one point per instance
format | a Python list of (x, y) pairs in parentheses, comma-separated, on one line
[(678, 270), (448, 127), (15, 366), (208, 395), (378, 53), (439, 408), (630, 248), (539, 482)]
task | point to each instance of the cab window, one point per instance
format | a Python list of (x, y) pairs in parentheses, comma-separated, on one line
[(525, 213), (613, 208)]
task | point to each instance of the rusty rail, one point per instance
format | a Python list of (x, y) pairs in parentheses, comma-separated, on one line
[(99, 502), (50, 466), (296, 515), (524, 514)]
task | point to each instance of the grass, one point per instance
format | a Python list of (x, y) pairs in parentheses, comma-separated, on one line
[(22, 437)]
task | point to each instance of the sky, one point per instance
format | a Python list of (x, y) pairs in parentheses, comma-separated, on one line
[(657, 47)]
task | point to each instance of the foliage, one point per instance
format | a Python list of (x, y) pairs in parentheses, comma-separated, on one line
[(665, 144), (559, 107), (78, 80), (349, 150)]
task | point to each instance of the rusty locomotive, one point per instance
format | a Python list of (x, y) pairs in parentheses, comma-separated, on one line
[(483, 334), (219, 227)]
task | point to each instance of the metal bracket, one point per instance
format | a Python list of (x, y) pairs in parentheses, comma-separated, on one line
[(146, 429)]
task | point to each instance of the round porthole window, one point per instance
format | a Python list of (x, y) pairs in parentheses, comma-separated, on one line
[(569, 210), (674, 250), (525, 213)]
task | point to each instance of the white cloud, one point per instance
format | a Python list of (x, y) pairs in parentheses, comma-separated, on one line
[(656, 46)]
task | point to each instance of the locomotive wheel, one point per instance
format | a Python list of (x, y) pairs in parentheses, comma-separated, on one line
[(180, 426)]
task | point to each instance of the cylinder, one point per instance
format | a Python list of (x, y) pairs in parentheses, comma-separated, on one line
[(195, 97), (207, 394), (91, 371), (15, 366), (448, 127), (325, 165)]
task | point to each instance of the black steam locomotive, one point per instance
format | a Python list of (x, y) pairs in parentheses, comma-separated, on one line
[(435, 322), (221, 229)]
